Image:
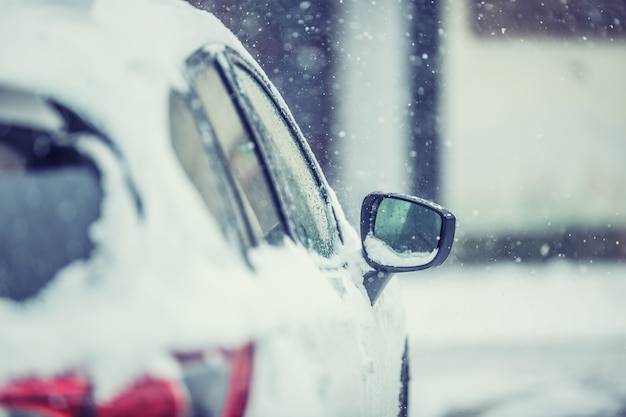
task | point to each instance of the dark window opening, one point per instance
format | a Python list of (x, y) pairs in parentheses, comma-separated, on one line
[(50, 195)]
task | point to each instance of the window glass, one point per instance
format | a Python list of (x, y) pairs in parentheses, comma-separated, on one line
[(242, 156), (314, 222), (50, 196), (187, 141)]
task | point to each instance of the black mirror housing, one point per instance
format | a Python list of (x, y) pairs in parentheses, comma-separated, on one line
[(402, 233)]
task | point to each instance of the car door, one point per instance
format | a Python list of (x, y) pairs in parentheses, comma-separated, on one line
[(357, 336), (333, 357)]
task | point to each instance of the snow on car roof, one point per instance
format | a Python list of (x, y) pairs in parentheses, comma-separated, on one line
[(108, 60), (98, 54), (114, 61), (122, 36)]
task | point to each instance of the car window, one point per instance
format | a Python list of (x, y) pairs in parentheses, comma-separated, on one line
[(50, 196), (187, 141), (194, 158), (247, 170), (315, 223)]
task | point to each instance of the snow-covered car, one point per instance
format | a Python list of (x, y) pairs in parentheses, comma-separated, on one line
[(168, 243)]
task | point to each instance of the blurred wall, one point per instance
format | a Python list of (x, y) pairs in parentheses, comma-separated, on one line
[(535, 133), (373, 86)]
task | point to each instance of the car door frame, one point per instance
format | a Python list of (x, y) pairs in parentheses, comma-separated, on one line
[(212, 55), (229, 59), (224, 59)]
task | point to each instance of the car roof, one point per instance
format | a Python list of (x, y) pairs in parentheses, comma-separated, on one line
[(114, 62), (100, 55), (122, 36)]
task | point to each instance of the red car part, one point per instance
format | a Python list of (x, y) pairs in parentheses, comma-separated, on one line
[(214, 383)]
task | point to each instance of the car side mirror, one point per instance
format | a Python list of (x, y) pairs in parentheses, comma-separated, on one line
[(401, 233)]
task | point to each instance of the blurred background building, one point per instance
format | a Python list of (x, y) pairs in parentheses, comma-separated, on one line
[(534, 108)]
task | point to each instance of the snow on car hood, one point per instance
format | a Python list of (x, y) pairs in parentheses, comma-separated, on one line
[(163, 281)]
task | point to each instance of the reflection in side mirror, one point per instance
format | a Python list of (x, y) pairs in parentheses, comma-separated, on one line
[(401, 233), (404, 233)]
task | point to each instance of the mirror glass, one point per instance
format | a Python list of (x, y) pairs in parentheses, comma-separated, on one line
[(405, 233)]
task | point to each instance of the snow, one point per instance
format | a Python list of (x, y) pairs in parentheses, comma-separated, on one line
[(73, 323), (165, 279), (506, 340), (18, 109), (382, 254), (517, 339)]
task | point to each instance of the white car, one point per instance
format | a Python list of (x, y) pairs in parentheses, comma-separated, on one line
[(168, 243)]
